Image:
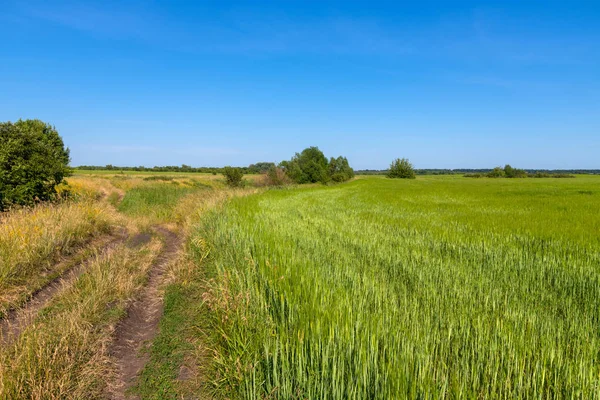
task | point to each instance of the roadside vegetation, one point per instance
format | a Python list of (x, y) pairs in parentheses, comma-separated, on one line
[(63, 353), (33, 241), (62, 350)]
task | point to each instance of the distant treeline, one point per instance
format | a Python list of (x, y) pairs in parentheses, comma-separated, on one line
[(481, 171), (263, 167), (257, 168)]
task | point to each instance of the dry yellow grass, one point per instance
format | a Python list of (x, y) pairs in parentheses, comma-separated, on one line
[(63, 354), (31, 241)]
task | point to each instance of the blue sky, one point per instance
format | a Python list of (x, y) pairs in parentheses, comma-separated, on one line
[(446, 84)]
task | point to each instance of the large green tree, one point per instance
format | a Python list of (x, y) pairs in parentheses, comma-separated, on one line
[(33, 160), (309, 166)]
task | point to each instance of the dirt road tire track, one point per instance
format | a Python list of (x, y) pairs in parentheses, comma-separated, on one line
[(140, 325)]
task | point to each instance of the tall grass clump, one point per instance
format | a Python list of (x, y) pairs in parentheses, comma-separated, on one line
[(426, 288), (32, 239)]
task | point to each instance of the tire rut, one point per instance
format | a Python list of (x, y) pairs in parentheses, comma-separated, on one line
[(17, 320), (141, 323)]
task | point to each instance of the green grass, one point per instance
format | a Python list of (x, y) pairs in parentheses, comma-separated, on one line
[(156, 201), (158, 379), (439, 287)]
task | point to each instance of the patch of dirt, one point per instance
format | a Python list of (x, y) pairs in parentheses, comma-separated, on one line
[(140, 325), (17, 320), (185, 373), (139, 240)]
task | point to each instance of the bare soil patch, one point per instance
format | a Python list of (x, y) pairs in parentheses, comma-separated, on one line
[(139, 240)]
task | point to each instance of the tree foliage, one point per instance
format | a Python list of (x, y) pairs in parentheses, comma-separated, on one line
[(511, 172), (260, 167), (497, 172), (311, 166), (401, 168), (339, 169), (233, 176), (507, 172), (33, 160)]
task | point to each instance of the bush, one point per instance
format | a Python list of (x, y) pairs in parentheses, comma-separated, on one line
[(260, 168), (497, 172), (511, 172), (33, 161), (275, 176), (233, 176), (401, 168), (555, 175)]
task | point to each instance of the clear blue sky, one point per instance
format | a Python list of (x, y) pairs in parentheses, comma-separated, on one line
[(446, 84)]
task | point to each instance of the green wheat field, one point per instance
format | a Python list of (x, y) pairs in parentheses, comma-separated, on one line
[(439, 287)]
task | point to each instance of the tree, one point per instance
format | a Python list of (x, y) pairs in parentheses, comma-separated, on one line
[(233, 176), (33, 160), (260, 167), (511, 172), (310, 166), (339, 169), (401, 168)]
